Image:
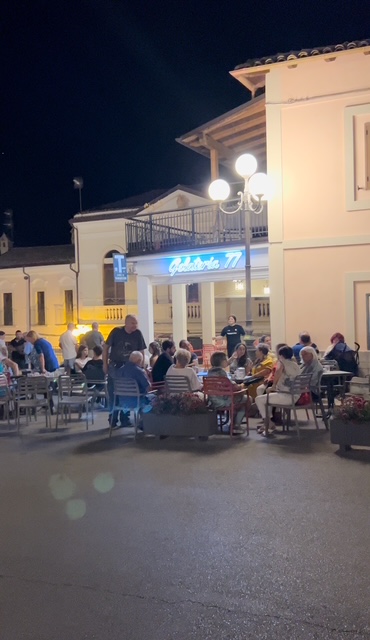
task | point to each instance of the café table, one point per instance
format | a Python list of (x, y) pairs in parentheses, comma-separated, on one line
[(334, 384)]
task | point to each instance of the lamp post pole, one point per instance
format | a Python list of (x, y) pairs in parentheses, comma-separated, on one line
[(256, 187), (248, 282)]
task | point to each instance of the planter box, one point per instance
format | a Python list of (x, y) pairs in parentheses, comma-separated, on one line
[(196, 425), (347, 433)]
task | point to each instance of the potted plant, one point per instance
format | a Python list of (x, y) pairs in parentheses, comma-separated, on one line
[(180, 415), (351, 423)]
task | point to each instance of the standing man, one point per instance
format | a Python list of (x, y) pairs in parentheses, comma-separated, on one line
[(93, 339), (121, 342), (17, 345), (233, 333), (68, 345)]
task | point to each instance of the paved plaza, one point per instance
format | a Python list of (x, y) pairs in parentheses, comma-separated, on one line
[(180, 539)]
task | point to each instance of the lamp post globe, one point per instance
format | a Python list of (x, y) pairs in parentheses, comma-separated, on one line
[(219, 190), (246, 165), (259, 186)]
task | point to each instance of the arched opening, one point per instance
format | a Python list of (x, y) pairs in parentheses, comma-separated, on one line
[(113, 292)]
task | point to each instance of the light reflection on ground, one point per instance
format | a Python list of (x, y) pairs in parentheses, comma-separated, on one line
[(76, 509), (61, 486), (104, 482)]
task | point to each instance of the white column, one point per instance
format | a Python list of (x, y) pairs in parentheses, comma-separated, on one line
[(208, 312), (145, 307), (179, 313)]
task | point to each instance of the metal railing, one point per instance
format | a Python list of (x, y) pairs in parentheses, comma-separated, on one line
[(186, 228)]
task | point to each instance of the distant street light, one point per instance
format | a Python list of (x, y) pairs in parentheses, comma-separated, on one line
[(78, 183), (257, 190)]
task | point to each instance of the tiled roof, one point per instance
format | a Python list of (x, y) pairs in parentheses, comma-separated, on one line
[(303, 53), (37, 256)]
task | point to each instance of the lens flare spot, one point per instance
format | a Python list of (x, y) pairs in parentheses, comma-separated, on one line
[(104, 482), (61, 486), (76, 509)]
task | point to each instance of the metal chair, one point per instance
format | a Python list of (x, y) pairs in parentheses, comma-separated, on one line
[(27, 392), (129, 389), (299, 386), (73, 391), (6, 397), (177, 384), (94, 385), (222, 387), (332, 364)]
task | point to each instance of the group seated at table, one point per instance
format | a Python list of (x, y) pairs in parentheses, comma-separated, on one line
[(219, 363), (182, 368)]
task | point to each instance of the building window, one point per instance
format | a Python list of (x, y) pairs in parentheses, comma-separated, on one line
[(113, 292), (192, 292), (68, 305), (40, 308), (8, 309)]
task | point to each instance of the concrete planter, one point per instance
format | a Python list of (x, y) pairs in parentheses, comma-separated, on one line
[(347, 433), (195, 425)]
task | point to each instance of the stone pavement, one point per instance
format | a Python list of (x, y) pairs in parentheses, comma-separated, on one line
[(181, 539)]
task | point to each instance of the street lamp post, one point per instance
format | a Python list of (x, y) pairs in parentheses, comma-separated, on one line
[(256, 188)]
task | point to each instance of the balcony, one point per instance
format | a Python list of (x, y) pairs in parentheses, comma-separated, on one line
[(191, 228)]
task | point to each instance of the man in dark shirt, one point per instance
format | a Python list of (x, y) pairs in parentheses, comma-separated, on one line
[(93, 339), (164, 361), (233, 333), (93, 369), (17, 345), (121, 342)]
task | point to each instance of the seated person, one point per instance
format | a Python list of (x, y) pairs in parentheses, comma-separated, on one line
[(304, 341), (262, 367), (93, 369), (181, 368), (8, 366), (269, 381), (311, 366), (164, 361), (218, 366), (240, 360), (133, 370), (82, 358), (185, 344), (288, 370), (345, 356), (155, 351)]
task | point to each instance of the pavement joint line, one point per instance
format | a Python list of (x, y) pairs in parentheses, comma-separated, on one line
[(249, 614)]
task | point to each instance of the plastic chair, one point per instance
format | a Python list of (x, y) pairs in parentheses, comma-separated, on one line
[(207, 351), (220, 386), (300, 385), (6, 397), (126, 388), (177, 384), (73, 391)]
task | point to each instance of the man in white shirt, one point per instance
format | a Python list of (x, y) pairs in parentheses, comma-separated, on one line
[(3, 347), (69, 346)]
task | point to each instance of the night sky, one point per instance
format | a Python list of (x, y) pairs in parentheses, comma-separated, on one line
[(101, 89)]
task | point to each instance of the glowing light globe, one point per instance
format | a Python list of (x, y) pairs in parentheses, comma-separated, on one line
[(259, 186), (219, 190), (246, 165)]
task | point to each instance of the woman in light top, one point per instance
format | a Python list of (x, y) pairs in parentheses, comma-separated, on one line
[(155, 351), (239, 359), (181, 368), (82, 358), (287, 371), (311, 366)]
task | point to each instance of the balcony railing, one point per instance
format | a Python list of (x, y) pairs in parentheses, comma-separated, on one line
[(186, 228)]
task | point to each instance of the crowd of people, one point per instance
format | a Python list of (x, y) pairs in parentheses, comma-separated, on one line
[(123, 355)]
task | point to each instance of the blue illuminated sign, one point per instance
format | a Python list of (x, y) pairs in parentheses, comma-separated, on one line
[(119, 267), (205, 263)]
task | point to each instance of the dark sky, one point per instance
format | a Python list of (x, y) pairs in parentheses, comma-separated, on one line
[(101, 89)]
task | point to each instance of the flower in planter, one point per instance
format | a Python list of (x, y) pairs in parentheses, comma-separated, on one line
[(179, 404), (354, 408)]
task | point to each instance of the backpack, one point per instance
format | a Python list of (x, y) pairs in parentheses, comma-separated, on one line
[(347, 360)]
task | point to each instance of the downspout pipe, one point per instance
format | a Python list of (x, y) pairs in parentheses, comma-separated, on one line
[(27, 277), (77, 271)]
